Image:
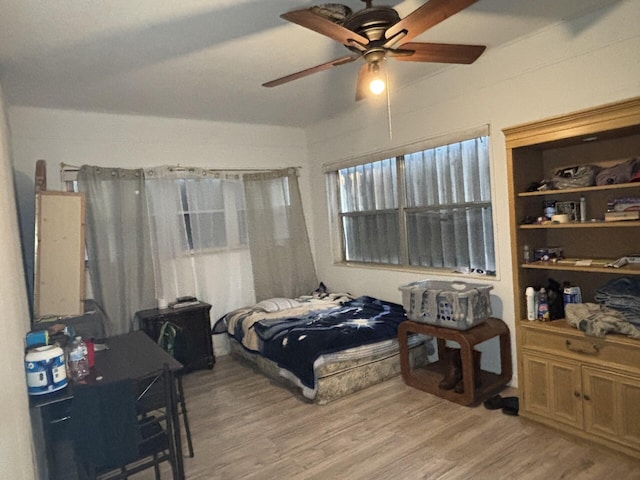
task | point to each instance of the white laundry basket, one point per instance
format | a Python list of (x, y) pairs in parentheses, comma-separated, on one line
[(457, 305)]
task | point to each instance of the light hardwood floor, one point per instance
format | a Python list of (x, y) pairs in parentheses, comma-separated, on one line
[(247, 427)]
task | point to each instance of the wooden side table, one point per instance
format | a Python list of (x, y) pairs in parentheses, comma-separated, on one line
[(427, 378)]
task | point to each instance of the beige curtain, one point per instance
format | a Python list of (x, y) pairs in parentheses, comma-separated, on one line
[(118, 243), (280, 252)]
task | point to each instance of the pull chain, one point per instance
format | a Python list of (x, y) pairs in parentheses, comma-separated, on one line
[(386, 74)]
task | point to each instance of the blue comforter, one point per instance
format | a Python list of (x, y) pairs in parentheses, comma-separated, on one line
[(295, 343)]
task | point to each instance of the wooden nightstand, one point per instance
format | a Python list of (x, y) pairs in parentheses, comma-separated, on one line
[(193, 323), (427, 378)]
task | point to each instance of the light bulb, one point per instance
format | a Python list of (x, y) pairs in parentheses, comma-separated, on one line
[(376, 86)]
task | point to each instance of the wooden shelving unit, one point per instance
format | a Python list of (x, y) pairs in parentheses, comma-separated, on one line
[(569, 191), (593, 224), (583, 385)]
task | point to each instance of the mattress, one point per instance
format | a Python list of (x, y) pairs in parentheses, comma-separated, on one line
[(341, 373), (326, 346)]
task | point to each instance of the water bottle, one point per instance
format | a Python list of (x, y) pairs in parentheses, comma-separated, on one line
[(543, 306), (78, 363)]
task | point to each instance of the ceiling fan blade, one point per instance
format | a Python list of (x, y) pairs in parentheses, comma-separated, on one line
[(438, 53), (311, 20), (318, 68), (426, 16)]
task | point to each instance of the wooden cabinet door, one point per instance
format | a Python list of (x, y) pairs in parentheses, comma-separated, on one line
[(612, 406), (552, 389)]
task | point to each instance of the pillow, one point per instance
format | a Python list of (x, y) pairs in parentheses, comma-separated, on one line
[(275, 304)]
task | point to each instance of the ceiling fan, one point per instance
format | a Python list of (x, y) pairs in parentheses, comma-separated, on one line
[(375, 33)]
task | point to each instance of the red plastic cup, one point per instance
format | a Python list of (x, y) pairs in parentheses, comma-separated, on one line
[(91, 358)]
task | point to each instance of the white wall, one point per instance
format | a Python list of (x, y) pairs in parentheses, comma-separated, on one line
[(16, 450), (573, 65), (79, 138)]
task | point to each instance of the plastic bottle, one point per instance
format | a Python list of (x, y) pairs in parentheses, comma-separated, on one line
[(583, 209), (530, 293), (543, 306), (527, 254), (549, 209), (78, 363)]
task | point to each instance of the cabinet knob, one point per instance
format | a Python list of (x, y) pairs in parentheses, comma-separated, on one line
[(576, 394), (587, 397)]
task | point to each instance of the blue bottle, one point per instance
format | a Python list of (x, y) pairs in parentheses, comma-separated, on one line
[(543, 306)]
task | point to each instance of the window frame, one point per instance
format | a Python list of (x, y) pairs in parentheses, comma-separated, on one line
[(338, 237), (235, 238)]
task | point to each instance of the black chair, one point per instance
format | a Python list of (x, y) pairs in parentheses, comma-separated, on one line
[(172, 338), (154, 398), (183, 411), (121, 428)]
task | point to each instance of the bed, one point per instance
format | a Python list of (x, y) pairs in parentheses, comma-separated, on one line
[(324, 345)]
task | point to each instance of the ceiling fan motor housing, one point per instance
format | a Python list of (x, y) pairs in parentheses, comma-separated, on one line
[(372, 22)]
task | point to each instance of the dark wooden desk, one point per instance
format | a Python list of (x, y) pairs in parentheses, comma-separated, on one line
[(134, 356)]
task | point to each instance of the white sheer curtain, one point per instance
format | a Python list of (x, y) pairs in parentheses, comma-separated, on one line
[(280, 252), (449, 221), (369, 202), (117, 238), (440, 196), (199, 238)]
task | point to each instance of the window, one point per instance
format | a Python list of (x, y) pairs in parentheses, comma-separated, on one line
[(369, 206), (212, 209), (207, 222), (425, 209)]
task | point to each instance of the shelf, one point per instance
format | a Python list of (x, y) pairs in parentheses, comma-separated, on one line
[(567, 191), (563, 327), (567, 378), (596, 224), (599, 268)]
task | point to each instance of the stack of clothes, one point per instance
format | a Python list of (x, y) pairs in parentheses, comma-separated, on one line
[(622, 294)]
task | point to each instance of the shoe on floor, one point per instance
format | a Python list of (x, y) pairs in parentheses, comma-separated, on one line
[(510, 406), (494, 403)]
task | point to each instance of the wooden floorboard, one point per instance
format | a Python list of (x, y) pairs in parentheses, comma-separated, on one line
[(247, 427)]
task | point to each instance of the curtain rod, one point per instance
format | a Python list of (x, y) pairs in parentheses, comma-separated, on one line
[(68, 167)]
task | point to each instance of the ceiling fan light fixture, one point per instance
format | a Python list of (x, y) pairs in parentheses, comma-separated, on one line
[(377, 84), (377, 33)]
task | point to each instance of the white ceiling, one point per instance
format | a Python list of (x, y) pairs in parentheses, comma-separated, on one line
[(207, 59)]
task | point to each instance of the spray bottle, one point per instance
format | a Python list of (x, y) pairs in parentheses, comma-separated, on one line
[(530, 294)]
